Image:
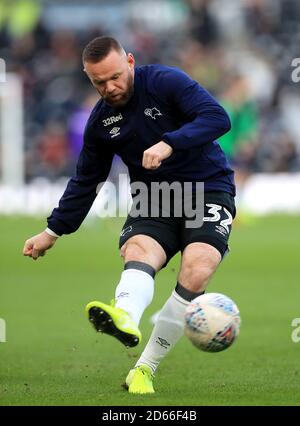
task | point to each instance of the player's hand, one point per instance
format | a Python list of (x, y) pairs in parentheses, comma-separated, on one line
[(37, 245), (153, 156)]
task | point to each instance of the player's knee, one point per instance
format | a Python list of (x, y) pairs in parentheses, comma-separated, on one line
[(133, 251), (144, 249)]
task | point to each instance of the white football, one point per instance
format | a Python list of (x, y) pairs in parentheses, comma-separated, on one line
[(212, 322)]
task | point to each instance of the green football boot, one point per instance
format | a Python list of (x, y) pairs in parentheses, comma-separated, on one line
[(139, 380), (113, 321)]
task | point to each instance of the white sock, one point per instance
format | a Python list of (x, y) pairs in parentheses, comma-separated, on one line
[(166, 332), (134, 292)]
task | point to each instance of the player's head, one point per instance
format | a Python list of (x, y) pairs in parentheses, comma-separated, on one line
[(110, 70)]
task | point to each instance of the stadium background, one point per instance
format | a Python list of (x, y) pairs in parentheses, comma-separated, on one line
[(243, 54)]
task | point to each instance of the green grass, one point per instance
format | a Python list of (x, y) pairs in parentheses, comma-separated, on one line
[(53, 356)]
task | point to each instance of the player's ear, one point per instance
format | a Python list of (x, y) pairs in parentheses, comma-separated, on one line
[(130, 60), (84, 67)]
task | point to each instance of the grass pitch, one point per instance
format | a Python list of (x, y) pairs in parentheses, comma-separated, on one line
[(52, 355)]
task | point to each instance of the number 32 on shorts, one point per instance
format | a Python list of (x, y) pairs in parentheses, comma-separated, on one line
[(215, 211)]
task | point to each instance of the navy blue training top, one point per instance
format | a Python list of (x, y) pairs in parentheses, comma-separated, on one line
[(166, 105)]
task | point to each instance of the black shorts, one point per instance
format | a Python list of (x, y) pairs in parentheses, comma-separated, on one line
[(173, 235)]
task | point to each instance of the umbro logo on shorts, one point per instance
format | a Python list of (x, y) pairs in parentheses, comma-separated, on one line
[(221, 230)]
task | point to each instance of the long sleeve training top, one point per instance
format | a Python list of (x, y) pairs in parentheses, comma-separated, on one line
[(166, 105)]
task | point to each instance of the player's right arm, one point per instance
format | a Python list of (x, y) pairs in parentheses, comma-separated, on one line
[(38, 245), (92, 168)]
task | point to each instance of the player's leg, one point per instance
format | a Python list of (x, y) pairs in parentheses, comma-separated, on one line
[(203, 249), (143, 257), (199, 262)]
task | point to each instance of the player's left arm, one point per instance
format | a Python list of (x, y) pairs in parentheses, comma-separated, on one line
[(205, 119)]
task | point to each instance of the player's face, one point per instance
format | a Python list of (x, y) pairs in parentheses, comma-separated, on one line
[(113, 77)]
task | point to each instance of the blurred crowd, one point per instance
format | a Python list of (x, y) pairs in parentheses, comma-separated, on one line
[(241, 52)]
